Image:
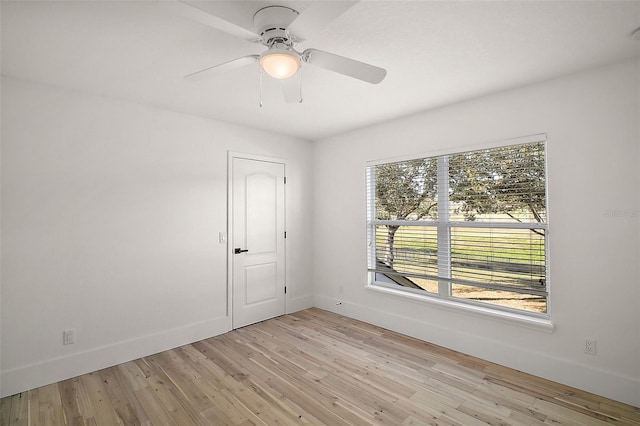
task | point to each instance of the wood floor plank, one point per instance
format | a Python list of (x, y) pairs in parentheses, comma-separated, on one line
[(311, 368), (307, 408), (156, 411), (412, 421), (263, 404), (102, 406), (34, 408), (5, 411), (68, 390), (220, 398), (50, 411), (127, 407), (19, 414)]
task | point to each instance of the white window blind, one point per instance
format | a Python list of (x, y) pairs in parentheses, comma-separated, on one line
[(468, 225)]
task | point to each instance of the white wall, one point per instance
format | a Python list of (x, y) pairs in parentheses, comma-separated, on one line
[(110, 220), (111, 211), (591, 120)]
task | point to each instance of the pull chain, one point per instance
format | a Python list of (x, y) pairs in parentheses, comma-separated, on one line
[(300, 71)]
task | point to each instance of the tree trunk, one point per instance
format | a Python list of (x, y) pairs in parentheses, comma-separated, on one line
[(391, 232)]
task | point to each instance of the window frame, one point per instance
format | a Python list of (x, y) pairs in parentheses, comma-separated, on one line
[(444, 226)]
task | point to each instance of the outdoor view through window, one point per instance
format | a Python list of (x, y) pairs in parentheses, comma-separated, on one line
[(469, 226)]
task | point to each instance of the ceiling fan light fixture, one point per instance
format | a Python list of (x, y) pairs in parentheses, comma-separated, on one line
[(280, 63)]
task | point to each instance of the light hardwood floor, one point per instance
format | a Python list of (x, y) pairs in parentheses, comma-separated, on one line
[(311, 367)]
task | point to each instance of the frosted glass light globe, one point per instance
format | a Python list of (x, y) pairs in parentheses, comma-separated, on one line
[(280, 64)]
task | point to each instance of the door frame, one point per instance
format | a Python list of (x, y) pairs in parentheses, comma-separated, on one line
[(231, 155)]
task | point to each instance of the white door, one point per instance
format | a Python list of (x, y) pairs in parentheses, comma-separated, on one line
[(258, 241)]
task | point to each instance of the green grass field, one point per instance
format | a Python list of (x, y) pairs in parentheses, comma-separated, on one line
[(508, 257)]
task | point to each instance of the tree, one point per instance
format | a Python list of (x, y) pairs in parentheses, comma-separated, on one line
[(509, 180), (405, 190)]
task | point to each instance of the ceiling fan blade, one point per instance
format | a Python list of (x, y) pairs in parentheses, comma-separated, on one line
[(346, 66), (224, 67), (192, 10), (316, 16)]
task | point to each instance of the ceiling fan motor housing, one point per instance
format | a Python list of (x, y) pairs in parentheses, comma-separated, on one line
[(271, 23)]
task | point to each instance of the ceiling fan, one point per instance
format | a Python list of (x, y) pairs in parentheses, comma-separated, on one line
[(280, 29)]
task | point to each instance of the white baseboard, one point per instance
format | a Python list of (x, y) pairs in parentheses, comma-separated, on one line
[(600, 382), (54, 370), (31, 376), (296, 304), (607, 384)]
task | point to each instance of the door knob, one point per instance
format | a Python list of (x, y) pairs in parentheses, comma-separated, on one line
[(238, 251)]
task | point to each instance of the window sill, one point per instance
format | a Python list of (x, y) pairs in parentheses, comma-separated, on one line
[(522, 320)]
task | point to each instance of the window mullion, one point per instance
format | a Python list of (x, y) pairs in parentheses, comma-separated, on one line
[(371, 215), (444, 233)]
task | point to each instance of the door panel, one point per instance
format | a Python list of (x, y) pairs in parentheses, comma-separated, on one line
[(261, 199), (258, 227), (261, 283)]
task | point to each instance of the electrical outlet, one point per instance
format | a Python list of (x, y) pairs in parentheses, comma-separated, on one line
[(590, 346), (68, 337)]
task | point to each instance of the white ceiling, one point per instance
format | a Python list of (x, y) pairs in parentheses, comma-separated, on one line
[(435, 52)]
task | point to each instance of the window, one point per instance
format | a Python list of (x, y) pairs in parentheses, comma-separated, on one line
[(468, 226)]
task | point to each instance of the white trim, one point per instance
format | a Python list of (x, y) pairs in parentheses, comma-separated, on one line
[(371, 208), (235, 154), (529, 320), (561, 370), (31, 376), (295, 304), (231, 155), (549, 235)]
